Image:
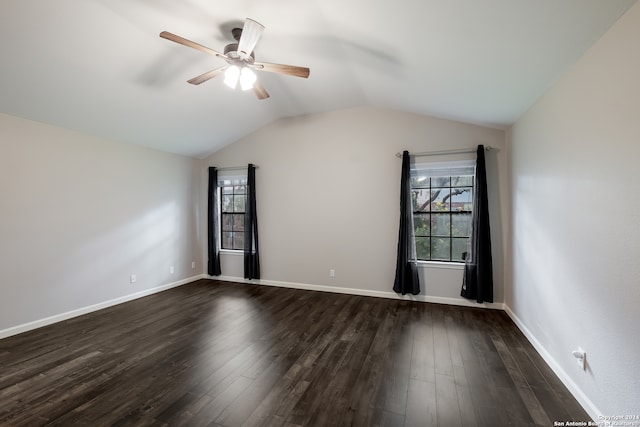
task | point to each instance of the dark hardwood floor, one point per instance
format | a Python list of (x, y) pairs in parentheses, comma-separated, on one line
[(222, 354)]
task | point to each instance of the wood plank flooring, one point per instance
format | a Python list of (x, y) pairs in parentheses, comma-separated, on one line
[(222, 354)]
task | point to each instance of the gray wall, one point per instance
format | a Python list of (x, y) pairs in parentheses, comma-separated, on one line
[(576, 222), (328, 196), (79, 215)]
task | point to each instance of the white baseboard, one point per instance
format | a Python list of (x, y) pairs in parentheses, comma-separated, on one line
[(363, 292), (15, 330), (576, 391)]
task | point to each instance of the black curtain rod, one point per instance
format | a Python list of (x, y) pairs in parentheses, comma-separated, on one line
[(234, 168), (445, 152)]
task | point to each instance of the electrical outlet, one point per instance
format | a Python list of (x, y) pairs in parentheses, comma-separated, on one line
[(332, 273), (581, 358), (132, 278), (193, 264), (171, 270)]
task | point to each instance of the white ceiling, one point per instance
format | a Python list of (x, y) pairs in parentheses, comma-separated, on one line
[(98, 66)]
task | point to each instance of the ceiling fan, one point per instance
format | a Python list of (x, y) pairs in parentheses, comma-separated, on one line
[(240, 60)]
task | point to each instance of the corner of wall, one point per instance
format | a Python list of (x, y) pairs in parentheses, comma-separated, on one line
[(573, 388)]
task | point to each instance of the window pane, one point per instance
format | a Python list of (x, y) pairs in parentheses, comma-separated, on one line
[(442, 202), (227, 190), (461, 225), (240, 189), (440, 249), (227, 203), (458, 249), (420, 182), (238, 203), (421, 199), (422, 248), (414, 200), (238, 222), (461, 181), (441, 181), (238, 241), (461, 199), (440, 224), (421, 224), (227, 240), (227, 222), (442, 196)]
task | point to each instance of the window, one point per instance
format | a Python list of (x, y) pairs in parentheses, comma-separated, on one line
[(233, 195), (442, 195)]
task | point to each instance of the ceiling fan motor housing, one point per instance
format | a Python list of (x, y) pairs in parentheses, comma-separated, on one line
[(231, 50)]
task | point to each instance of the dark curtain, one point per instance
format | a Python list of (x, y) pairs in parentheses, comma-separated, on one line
[(251, 252), (478, 272), (213, 267), (406, 280)]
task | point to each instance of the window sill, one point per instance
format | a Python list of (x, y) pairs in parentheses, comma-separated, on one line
[(443, 265)]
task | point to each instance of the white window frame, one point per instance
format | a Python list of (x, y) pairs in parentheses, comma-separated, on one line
[(222, 177), (436, 168)]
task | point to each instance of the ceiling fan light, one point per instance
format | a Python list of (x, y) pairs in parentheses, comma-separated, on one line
[(247, 78), (231, 76)]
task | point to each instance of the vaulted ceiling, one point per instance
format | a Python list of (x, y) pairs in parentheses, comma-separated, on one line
[(99, 67)]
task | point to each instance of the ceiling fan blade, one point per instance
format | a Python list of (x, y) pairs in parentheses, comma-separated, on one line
[(290, 70), (207, 76), (181, 40), (251, 33), (260, 91)]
